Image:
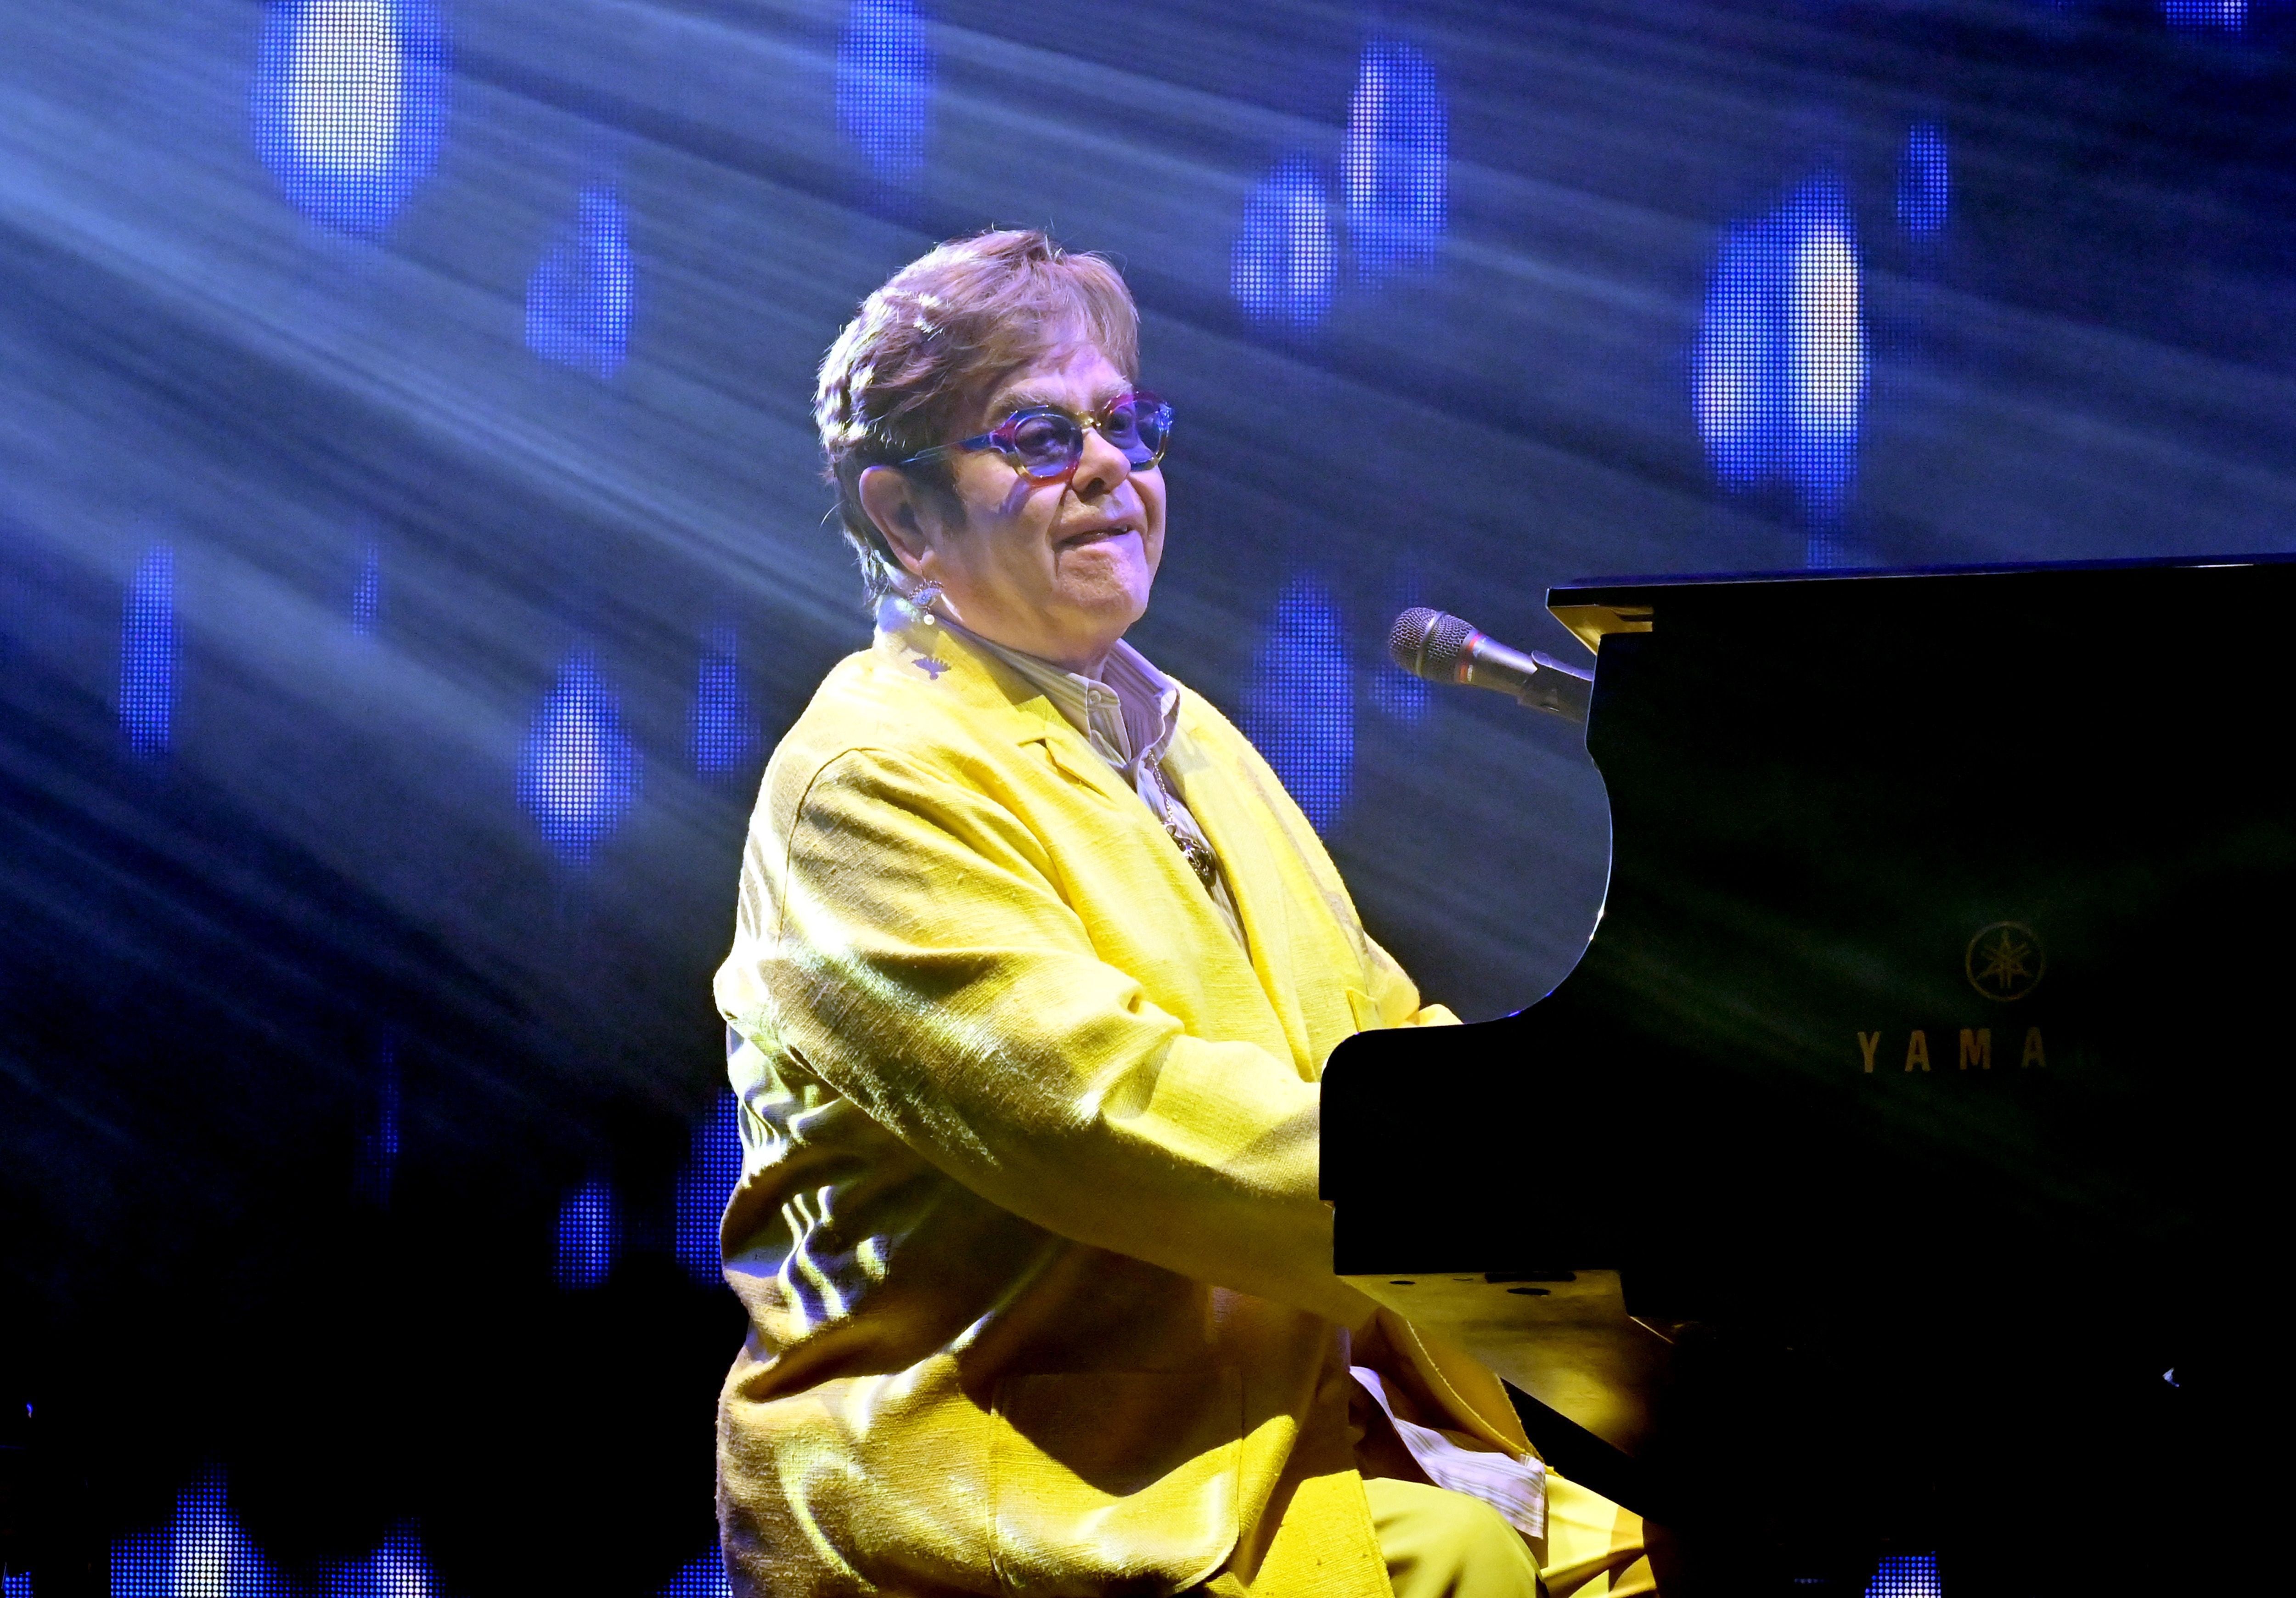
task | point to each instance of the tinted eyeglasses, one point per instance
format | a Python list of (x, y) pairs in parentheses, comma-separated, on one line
[(1045, 442)]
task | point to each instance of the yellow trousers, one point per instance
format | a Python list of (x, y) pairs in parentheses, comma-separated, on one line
[(1445, 1544)]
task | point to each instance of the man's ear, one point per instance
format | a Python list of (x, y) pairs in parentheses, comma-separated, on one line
[(892, 503)]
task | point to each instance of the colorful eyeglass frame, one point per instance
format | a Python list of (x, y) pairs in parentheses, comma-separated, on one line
[(1045, 442)]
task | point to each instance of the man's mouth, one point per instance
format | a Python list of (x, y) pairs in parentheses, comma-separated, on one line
[(1094, 535)]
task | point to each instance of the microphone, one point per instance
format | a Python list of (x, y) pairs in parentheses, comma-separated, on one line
[(1442, 648)]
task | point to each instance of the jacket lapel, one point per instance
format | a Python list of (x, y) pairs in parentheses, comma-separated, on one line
[(1071, 755), (988, 688), (1245, 835)]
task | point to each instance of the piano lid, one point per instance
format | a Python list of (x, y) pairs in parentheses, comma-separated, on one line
[(1595, 608), (1952, 901)]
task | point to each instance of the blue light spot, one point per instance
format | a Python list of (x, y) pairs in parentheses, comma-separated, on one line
[(2223, 16), (1905, 1575), (379, 1143), (1394, 172), (1779, 374), (885, 86), (1924, 183), (586, 1235), (705, 1578), (581, 773), (201, 1551), (725, 732), (350, 105), (1825, 344), (1736, 377), (396, 1569), (1398, 693), (366, 592), (1286, 259), (712, 1169), (1300, 709), (582, 295), (147, 654)]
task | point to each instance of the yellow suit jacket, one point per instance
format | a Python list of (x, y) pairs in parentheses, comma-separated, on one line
[(1039, 1285)]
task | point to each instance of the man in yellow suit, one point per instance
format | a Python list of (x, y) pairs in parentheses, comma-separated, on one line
[(1035, 969)]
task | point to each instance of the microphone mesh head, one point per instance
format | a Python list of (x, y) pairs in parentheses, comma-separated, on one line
[(1427, 643), (1446, 642), (1407, 640)]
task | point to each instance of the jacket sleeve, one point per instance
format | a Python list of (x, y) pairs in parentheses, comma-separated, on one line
[(924, 967), (1397, 996)]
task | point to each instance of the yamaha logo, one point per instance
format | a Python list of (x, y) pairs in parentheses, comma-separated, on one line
[(2004, 960)]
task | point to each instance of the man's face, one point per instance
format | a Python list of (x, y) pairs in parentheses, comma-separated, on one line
[(1057, 570)]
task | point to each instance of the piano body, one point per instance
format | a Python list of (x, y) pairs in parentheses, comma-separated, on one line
[(1901, 1168)]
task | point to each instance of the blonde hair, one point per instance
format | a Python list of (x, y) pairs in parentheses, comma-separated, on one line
[(941, 334)]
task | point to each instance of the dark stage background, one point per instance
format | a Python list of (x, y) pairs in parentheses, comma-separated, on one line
[(411, 544)]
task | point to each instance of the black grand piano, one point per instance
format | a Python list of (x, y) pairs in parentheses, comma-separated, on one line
[(1903, 1168)]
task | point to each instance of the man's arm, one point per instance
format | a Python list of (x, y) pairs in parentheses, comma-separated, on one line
[(1397, 996), (926, 968)]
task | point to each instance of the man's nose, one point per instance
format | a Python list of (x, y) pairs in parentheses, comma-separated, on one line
[(1100, 467)]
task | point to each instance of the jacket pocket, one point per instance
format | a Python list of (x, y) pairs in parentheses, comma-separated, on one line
[(1115, 1482)]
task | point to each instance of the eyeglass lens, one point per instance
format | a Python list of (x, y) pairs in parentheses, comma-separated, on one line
[(1049, 442)]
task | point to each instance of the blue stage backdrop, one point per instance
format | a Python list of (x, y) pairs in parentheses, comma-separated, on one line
[(412, 543)]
